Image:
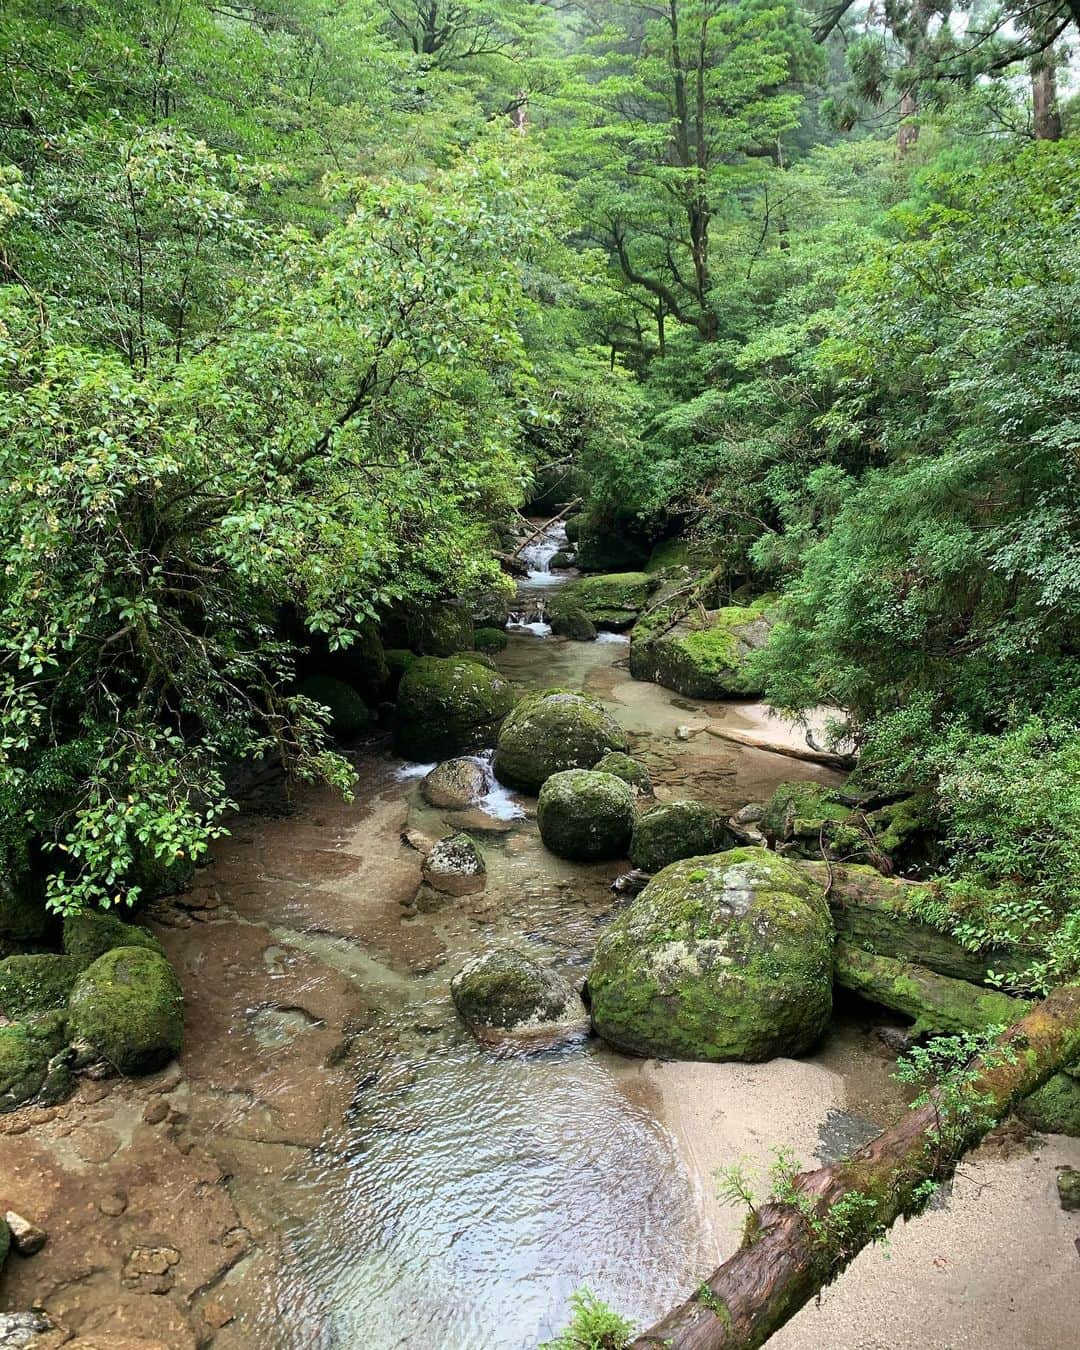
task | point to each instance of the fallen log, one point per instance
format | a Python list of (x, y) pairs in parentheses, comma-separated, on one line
[(874, 912), (546, 525), (796, 1245), (939, 1005), (824, 757)]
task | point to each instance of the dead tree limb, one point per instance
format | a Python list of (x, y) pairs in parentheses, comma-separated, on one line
[(546, 525), (824, 757), (792, 1249)]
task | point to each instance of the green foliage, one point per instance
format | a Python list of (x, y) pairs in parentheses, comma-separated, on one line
[(944, 1071), (593, 1326)]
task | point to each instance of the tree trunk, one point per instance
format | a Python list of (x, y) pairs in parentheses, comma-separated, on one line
[(824, 757), (792, 1251), (908, 133), (1044, 99)]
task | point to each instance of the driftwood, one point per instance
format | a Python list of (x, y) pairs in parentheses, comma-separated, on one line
[(792, 1249), (825, 757), (546, 525)]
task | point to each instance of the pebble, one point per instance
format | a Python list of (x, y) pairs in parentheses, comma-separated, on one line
[(113, 1204), (27, 1237)]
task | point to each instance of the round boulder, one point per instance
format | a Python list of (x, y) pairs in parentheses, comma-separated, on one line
[(128, 1010), (455, 866), (724, 957), (491, 639), (551, 731), (447, 705), (348, 711), (675, 830), (630, 770), (455, 784), (505, 995), (586, 816)]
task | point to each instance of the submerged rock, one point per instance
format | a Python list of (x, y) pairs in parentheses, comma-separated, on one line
[(455, 784), (505, 995), (586, 816), (455, 866), (674, 830), (702, 659), (348, 712), (722, 957), (447, 705), (551, 731), (630, 770), (127, 1009), (612, 601)]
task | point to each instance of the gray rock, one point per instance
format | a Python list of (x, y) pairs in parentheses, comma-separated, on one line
[(455, 784), (504, 996), (455, 866)]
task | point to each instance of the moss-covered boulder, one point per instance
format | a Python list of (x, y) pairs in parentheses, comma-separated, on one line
[(398, 661), (37, 983), (572, 528), (348, 712), (26, 1049), (92, 933), (448, 705), (630, 770), (569, 620), (586, 816), (127, 1010), (444, 629), (550, 731), (491, 639), (362, 665), (1055, 1108), (613, 601), (797, 810), (701, 658), (504, 994), (674, 830), (723, 957), (455, 783), (24, 921), (561, 560)]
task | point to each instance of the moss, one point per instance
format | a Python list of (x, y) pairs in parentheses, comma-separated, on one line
[(362, 665), (506, 988), (611, 601), (444, 629), (447, 705), (802, 800), (602, 550), (627, 768), (1054, 1108), (585, 816), (573, 528), (550, 731), (398, 660), (36, 984), (569, 620), (561, 560), (702, 659), (24, 921), (25, 1051), (674, 830), (491, 639), (128, 1010), (92, 934), (348, 712), (670, 554), (721, 957)]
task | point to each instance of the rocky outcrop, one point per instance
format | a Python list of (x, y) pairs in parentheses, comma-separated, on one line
[(455, 866), (449, 705), (722, 957), (674, 830), (551, 731), (506, 996), (701, 657), (586, 816)]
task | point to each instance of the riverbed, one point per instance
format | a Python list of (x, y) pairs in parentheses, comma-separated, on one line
[(334, 1162)]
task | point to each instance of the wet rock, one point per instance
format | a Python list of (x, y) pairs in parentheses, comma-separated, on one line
[(726, 957), (216, 1315), (26, 1237), (701, 658), (749, 814), (349, 714), (92, 934), (551, 731), (612, 601), (149, 1270), (449, 705), (505, 995), (18, 1330), (898, 1040), (127, 1010), (674, 830), (1068, 1188), (569, 620), (455, 784), (586, 816), (455, 866), (627, 768)]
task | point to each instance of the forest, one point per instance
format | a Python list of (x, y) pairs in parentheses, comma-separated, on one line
[(653, 423)]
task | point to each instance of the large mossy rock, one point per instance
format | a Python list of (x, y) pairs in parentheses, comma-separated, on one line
[(398, 661), (24, 921), (491, 640), (569, 620), (92, 933), (674, 830), (127, 1010), (362, 665), (550, 731), (448, 705), (702, 658), (455, 866), (613, 601), (504, 994), (586, 816), (444, 629), (25, 1051), (1055, 1108), (348, 712), (627, 768), (723, 957), (38, 983)]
